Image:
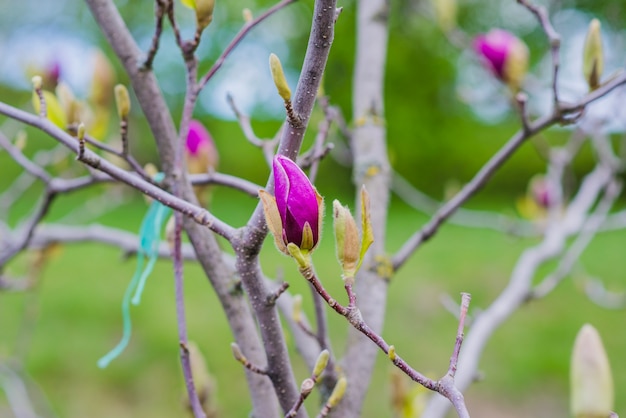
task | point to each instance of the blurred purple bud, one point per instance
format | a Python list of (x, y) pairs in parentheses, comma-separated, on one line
[(298, 204), (200, 149), (541, 192), (505, 55)]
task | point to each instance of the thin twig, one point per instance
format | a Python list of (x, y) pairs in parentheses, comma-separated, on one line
[(160, 7), (487, 171), (242, 33)]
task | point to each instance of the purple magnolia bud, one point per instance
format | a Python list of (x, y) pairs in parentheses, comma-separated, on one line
[(200, 149), (294, 213), (505, 55), (298, 204)]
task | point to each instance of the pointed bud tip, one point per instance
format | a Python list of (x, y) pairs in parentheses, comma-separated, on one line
[(278, 75)]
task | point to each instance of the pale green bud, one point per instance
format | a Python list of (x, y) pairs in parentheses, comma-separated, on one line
[(347, 242), (338, 392), (321, 363), (278, 75), (591, 382), (122, 101), (204, 12), (593, 56)]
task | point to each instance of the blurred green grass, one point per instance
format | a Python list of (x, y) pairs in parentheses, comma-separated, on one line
[(76, 307)]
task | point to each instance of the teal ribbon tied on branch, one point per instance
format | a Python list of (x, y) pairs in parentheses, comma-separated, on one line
[(149, 241)]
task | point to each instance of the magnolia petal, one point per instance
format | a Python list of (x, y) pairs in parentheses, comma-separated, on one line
[(272, 218)]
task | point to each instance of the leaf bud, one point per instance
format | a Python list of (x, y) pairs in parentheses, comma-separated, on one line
[(37, 82), (122, 101), (278, 75), (338, 392), (204, 12), (593, 56), (321, 363), (347, 242)]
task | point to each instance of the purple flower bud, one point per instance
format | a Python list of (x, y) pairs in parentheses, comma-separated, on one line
[(200, 149), (504, 54), (298, 204)]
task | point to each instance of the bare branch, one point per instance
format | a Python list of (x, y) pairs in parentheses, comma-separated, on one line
[(485, 173)]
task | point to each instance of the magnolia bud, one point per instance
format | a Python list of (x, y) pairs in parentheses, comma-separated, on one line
[(122, 101), (37, 82), (103, 80), (307, 386), (247, 15), (445, 12), (505, 55), (593, 57), (338, 392), (237, 353), (204, 12), (294, 213), (591, 383), (392, 353), (347, 242), (279, 78), (320, 364)]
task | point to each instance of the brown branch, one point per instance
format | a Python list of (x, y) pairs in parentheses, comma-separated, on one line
[(487, 171)]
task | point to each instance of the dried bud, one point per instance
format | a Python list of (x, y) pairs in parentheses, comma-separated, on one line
[(593, 56), (247, 15), (294, 214), (204, 12), (122, 101), (279, 78), (347, 242), (307, 386), (338, 392), (591, 383), (505, 55), (320, 364)]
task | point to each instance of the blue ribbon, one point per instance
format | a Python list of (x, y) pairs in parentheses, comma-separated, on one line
[(149, 241)]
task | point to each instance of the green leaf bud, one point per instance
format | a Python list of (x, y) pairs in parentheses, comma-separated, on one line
[(278, 75), (122, 101), (593, 56)]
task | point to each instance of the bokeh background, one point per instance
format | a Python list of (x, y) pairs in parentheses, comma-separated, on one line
[(445, 117)]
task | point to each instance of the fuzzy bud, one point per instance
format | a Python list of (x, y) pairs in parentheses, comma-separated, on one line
[(591, 382), (321, 363), (204, 12), (347, 242), (279, 78), (122, 101), (338, 392), (505, 55), (294, 213), (307, 386), (247, 15), (37, 82), (237, 353), (392, 353), (593, 56)]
